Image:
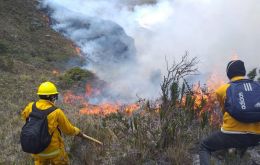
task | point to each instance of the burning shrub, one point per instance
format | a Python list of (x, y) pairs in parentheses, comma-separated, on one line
[(171, 114)]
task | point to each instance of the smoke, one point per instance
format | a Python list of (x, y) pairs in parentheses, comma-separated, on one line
[(126, 43)]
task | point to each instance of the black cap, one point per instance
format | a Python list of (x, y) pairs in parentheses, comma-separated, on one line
[(235, 68)]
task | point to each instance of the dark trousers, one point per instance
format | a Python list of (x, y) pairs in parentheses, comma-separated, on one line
[(220, 141)]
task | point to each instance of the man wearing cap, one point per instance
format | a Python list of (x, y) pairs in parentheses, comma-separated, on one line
[(55, 153), (233, 133)]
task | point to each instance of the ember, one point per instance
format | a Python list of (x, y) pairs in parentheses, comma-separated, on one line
[(55, 72)]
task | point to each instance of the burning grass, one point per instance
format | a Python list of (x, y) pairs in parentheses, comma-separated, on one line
[(130, 132)]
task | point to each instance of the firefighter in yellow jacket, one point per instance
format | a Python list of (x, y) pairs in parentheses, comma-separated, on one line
[(233, 133), (55, 153)]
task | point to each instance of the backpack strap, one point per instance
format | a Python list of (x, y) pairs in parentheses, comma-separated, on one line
[(41, 113)]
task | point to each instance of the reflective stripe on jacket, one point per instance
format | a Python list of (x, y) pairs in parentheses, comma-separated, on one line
[(229, 123), (55, 119)]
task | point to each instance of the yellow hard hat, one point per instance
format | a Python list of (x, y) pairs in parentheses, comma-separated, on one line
[(47, 88)]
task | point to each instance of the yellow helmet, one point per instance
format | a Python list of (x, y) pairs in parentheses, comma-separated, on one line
[(47, 88)]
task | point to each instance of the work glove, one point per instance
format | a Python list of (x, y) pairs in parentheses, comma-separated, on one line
[(80, 134)]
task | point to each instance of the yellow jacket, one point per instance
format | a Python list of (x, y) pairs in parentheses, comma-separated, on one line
[(229, 123), (56, 119)]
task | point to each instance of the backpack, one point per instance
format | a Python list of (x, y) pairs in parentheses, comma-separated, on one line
[(243, 100), (35, 136)]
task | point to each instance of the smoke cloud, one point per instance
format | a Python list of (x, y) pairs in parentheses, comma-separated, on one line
[(126, 43)]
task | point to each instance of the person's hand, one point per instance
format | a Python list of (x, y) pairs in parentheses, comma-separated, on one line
[(80, 134)]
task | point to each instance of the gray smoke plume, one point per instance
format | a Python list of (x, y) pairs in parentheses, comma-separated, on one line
[(214, 31), (105, 45)]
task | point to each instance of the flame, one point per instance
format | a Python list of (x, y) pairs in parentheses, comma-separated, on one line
[(55, 72), (70, 98), (214, 81), (105, 109), (199, 95), (203, 96), (131, 108), (234, 56), (102, 109), (78, 50), (205, 99), (89, 90)]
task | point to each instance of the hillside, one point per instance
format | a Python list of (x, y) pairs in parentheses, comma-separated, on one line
[(165, 131), (29, 51)]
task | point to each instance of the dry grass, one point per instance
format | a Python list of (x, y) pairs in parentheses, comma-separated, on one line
[(29, 50)]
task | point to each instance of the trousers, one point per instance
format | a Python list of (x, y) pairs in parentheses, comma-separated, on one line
[(220, 141), (60, 159)]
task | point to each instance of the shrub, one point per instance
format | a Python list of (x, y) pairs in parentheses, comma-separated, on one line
[(75, 75), (252, 74), (172, 114)]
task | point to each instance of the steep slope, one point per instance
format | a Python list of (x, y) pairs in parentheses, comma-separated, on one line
[(29, 51)]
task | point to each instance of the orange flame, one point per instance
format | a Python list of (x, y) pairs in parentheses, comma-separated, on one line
[(214, 81), (55, 72), (205, 99), (105, 109), (102, 109), (70, 98), (234, 56), (131, 108), (89, 90), (78, 50)]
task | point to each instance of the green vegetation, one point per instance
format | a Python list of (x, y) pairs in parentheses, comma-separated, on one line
[(75, 75), (252, 74), (29, 51), (25, 35), (166, 132)]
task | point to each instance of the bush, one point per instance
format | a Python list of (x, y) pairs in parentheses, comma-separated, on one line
[(252, 74), (75, 75)]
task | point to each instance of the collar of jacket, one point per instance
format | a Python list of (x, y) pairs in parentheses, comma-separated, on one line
[(44, 102), (237, 78)]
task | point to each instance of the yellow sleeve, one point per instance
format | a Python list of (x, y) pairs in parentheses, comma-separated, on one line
[(65, 125), (27, 110), (221, 95)]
